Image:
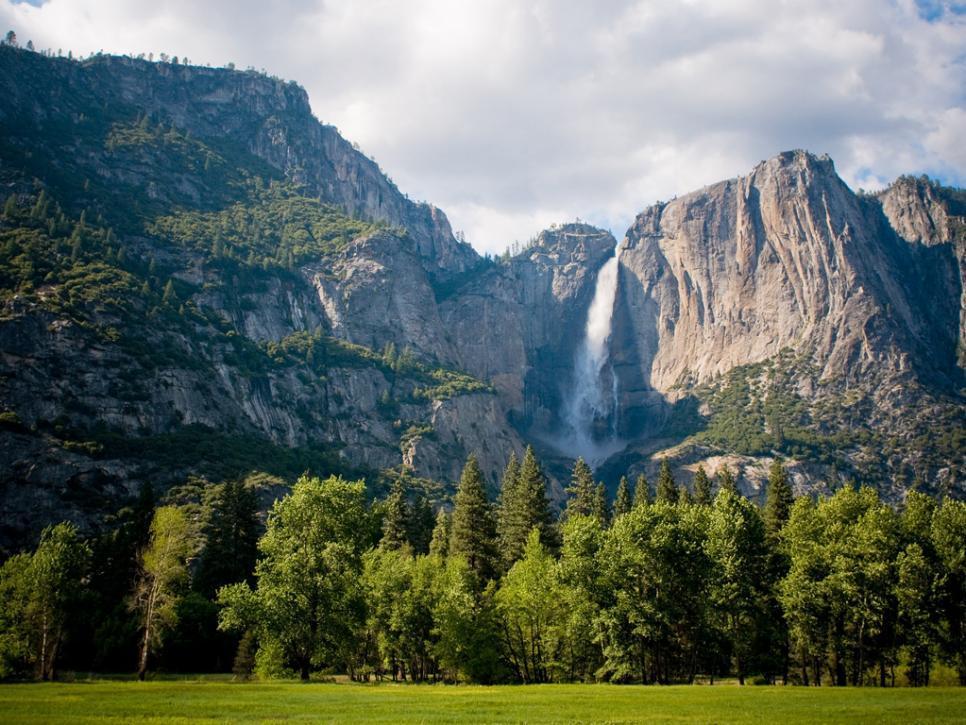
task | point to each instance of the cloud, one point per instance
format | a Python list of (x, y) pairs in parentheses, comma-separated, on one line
[(510, 115)]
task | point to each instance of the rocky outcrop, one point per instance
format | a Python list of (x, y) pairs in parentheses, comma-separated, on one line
[(929, 216)]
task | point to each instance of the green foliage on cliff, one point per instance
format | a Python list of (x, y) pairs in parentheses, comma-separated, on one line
[(275, 226)]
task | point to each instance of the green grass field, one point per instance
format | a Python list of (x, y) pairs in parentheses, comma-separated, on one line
[(194, 701)]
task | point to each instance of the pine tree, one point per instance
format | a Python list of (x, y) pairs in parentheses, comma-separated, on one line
[(508, 525), (439, 544), (778, 500), (244, 662), (395, 523), (601, 509), (726, 480), (667, 489), (523, 506), (421, 522), (170, 297), (581, 490), (642, 491), (473, 532), (622, 499), (231, 539), (702, 488)]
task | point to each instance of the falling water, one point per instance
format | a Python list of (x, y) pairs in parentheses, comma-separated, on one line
[(590, 408)]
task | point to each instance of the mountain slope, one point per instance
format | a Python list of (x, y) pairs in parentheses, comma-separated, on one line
[(197, 278)]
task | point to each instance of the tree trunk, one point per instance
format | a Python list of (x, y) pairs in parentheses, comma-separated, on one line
[(304, 671), (143, 659)]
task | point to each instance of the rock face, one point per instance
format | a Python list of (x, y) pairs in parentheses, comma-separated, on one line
[(783, 257), (775, 313), (864, 290)]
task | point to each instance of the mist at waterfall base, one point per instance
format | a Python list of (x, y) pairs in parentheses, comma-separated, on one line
[(589, 412)]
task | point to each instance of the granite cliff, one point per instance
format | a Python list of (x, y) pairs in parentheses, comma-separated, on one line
[(201, 279)]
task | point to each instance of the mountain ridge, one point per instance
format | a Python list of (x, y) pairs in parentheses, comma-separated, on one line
[(202, 264)]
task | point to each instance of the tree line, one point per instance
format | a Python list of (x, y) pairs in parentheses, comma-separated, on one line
[(656, 586)]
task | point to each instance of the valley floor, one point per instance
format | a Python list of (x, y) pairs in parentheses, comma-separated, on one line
[(212, 701)]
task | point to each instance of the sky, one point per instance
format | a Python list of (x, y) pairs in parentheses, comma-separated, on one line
[(511, 115)]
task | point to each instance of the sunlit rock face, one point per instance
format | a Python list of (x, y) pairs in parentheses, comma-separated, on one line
[(584, 344)]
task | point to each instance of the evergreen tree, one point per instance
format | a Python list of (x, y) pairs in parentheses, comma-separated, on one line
[(702, 488), (601, 509), (473, 532), (524, 505), (508, 523), (581, 490), (642, 491), (170, 297), (667, 489), (439, 544), (244, 663), (622, 499), (231, 539), (395, 523), (422, 519), (726, 480), (778, 500)]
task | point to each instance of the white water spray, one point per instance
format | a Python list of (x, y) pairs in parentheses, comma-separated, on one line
[(590, 409)]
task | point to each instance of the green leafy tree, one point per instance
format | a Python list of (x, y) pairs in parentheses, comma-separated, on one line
[(307, 605), (164, 570), (37, 593), (949, 540), (580, 647), (531, 607), (918, 613), (467, 625), (472, 530), (736, 547), (653, 571)]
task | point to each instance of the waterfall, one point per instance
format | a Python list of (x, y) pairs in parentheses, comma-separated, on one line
[(590, 407)]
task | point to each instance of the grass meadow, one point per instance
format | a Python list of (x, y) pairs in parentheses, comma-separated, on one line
[(211, 701)]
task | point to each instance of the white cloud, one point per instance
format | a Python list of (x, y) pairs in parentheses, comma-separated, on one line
[(511, 115)]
